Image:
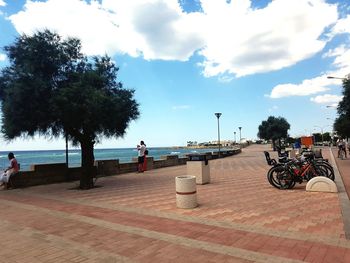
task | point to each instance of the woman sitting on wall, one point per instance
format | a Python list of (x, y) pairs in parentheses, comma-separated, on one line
[(12, 169)]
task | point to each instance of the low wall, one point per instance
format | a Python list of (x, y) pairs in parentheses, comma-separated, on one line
[(57, 172)]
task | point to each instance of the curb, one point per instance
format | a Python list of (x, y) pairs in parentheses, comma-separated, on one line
[(343, 197)]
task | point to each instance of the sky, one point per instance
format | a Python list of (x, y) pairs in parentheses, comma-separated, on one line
[(188, 59)]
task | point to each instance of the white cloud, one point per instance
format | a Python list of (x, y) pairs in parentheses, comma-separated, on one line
[(2, 3), (156, 29), (181, 107), (2, 57), (262, 40), (327, 99), (232, 37), (342, 26), (307, 87), (340, 69)]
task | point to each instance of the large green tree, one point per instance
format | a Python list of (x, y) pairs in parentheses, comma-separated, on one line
[(50, 88), (342, 123), (342, 126), (274, 129)]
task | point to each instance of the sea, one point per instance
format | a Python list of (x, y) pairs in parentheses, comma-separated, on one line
[(27, 158)]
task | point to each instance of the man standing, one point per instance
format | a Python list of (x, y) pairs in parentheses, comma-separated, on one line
[(141, 156)]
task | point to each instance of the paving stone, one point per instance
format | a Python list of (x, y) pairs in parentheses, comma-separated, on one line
[(133, 218)]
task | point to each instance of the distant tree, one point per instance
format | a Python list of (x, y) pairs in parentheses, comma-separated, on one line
[(290, 140), (344, 104), (342, 126), (274, 129), (317, 137), (342, 123), (327, 137), (50, 88)]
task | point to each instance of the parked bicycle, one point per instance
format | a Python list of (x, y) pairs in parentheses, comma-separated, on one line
[(291, 171)]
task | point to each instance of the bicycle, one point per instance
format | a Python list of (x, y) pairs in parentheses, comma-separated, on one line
[(286, 175)]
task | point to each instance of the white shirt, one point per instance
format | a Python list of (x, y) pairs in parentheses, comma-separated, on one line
[(142, 150)]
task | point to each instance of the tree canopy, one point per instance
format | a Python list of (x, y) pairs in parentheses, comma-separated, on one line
[(342, 126), (50, 88), (273, 129), (342, 123)]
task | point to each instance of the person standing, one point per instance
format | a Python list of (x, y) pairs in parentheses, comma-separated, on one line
[(141, 156), (145, 160), (12, 169), (341, 147)]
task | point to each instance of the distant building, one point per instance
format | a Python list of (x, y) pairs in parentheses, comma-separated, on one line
[(192, 143)]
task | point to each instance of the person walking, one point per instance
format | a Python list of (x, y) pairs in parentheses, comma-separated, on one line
[(341, 147), (141, 156)]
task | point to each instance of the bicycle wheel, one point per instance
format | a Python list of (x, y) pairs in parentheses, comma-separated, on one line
[(324, 170), (272, 175), (325, 163), (279, 177)]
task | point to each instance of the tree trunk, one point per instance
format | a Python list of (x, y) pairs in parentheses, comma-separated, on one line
[(273, 144), (87, 164)]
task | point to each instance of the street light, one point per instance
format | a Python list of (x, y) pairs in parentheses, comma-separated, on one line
[(331, 77), (218, 114), (240, 135), (235, 136)]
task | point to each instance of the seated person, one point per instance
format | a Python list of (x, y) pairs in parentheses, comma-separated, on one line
[(12, 169)]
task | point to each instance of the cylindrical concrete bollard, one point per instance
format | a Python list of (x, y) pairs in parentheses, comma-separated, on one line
[(186, 191)]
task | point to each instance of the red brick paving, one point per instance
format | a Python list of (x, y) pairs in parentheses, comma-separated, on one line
[(133, 218)]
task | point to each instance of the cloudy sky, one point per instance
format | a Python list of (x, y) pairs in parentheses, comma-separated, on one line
[(187, 59)]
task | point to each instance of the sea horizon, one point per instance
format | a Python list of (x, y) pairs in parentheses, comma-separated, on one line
[(26, 158)]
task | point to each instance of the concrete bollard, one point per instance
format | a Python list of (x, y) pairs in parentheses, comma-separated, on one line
[(199, 169), (321, 184), (186, 191)]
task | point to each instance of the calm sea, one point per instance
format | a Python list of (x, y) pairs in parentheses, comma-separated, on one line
[(26, 158)]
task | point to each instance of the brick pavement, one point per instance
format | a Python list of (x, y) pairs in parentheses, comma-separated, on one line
[(133, 218)]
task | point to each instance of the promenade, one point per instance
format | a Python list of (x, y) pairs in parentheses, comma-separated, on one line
[(133, 218)]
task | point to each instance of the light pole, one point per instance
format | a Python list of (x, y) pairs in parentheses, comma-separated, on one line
[(332, 77), (240, 134), (218, 114), (235, 136)]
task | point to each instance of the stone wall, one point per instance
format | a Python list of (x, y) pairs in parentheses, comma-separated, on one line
[(56, 173)]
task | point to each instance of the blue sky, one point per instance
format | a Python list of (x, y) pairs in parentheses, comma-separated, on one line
[(188, 59)]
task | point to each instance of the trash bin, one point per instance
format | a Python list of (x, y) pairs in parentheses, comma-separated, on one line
[(186, 191), (198, 166)]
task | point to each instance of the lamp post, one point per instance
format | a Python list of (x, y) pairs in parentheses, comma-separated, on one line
[(332, 77), (218, 114), (235, 136), (240, 134)]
